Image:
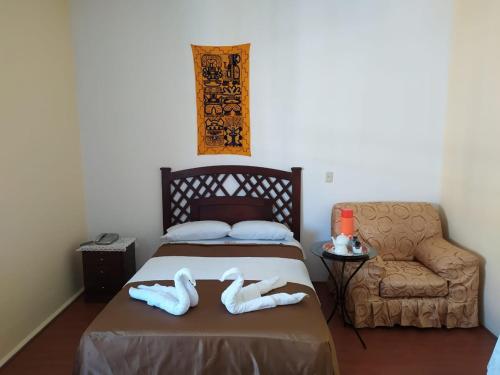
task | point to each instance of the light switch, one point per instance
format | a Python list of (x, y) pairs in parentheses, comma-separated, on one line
[(329, 177)]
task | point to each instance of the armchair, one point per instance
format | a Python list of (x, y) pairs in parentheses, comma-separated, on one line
[(419, 279)]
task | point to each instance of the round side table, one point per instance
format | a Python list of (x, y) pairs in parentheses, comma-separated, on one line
[(341, 287)]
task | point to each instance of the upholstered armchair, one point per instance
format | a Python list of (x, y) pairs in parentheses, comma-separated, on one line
[(418, 279)]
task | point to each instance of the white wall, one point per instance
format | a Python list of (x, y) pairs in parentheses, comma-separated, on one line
[(471, 182), (356, 87)]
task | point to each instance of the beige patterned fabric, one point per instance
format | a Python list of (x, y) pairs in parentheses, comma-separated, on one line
[(419, 279), (393, 228)]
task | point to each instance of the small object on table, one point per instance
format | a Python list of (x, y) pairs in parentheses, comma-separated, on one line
[(347, 222), (340, 244), (356, 247), (106, 268), (323, 250), (328, 246)]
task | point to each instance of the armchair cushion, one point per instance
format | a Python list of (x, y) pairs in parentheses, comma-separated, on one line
[(411, 279)]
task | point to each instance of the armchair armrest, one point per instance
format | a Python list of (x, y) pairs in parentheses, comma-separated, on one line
[(365, 284), (363, 289), (458, 266), (444, 258)]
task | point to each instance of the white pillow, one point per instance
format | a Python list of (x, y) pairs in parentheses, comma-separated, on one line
[(260, 230), (198, 230)]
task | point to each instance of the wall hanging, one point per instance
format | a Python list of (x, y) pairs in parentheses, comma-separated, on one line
[(222, 99)]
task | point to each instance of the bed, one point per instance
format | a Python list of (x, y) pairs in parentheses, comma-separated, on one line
[(129, 337)]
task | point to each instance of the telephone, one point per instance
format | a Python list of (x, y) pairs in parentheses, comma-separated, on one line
[(106, 238)]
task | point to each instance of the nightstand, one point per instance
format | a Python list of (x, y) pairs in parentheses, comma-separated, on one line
[(106, 268)]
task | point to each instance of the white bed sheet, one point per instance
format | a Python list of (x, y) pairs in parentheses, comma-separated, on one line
[(212, 268)]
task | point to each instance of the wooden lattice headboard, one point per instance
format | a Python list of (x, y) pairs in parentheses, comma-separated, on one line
[(232, 193)]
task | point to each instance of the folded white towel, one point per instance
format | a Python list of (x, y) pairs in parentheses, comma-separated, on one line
[(239, 299), (174, 300)]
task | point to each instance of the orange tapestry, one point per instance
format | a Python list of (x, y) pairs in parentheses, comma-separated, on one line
[(222, 82)]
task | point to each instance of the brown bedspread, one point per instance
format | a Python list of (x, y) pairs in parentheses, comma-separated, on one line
[(230, 250), (129, 337)]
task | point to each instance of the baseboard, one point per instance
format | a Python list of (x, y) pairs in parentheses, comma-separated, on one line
[(39, 328)]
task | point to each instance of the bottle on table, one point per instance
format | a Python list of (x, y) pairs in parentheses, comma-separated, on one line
[(347, 222)]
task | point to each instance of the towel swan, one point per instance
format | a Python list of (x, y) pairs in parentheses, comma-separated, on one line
[(239, 299), (174, 300)]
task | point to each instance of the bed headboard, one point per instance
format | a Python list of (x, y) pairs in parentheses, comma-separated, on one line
[(232, 193)]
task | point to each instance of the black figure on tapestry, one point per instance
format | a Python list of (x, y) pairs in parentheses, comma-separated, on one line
[(222, 99)]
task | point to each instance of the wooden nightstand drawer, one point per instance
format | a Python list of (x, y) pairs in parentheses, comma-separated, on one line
[(105, 272), (104, 287), (103, 258), (99, 264), (104, 277)]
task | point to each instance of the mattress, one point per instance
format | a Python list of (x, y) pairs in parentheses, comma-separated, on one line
[(130, 337)]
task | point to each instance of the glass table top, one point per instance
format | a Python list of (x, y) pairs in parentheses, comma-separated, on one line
[(324, 249)]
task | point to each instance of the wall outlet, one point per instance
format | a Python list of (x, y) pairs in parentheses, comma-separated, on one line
[(329, 177)]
